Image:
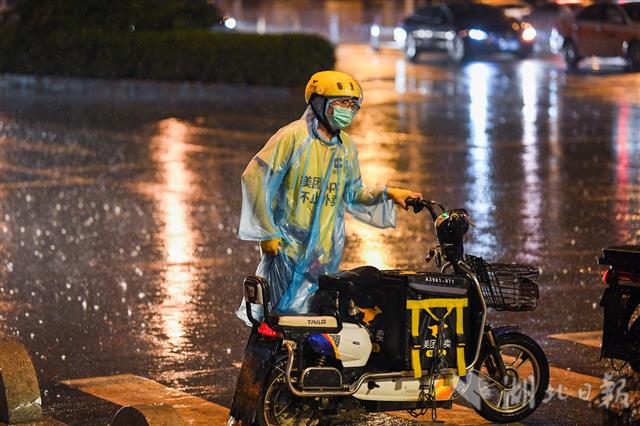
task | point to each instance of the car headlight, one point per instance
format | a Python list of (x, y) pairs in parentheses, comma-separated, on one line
[(399, 35), (476, 34), (528, 34), (230, 23)]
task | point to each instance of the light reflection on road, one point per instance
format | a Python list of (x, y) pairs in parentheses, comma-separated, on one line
[(169, 152), (371, 249), (531, 193), (622, 150), (479, 157)]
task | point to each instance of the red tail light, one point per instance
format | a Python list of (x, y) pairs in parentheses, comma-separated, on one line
[(267, 331), (605, 274)]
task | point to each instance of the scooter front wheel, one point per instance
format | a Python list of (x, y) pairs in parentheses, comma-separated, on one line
[(514, 396), (634, 336)]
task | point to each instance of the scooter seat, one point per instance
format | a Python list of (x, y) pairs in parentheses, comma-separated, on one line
[(624, 258), (342, 280)]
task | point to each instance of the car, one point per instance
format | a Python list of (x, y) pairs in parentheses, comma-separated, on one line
[(464, 29), (605, 30), (546, 19)]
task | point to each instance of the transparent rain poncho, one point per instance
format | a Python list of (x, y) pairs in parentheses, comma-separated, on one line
[(297, 188)]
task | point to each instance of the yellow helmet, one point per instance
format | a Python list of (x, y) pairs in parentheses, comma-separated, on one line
[(332, 83)]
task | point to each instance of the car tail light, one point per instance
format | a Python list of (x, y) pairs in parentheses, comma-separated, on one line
[(267, 331), (605, 275)]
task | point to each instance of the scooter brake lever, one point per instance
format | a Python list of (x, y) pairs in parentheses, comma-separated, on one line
[(438, 259), (430, 254)]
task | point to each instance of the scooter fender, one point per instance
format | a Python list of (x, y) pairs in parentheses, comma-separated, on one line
[(259, 358), (504, 329)]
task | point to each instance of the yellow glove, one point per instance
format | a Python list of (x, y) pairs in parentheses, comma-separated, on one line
[(399, 195), (270, 247)]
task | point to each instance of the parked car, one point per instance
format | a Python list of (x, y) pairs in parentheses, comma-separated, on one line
[(607, 30), (463, 29)]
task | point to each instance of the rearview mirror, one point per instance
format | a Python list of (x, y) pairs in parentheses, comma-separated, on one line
[(255, 290)]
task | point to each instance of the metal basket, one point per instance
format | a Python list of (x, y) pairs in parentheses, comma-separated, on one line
[(506, 287)]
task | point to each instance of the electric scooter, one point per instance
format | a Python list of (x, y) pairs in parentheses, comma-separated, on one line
[(621, 304), (395, 340)]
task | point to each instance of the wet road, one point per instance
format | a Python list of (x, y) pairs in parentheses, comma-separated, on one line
[(118, 215)]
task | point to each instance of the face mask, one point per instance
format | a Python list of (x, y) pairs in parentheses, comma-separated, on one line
[(341, 117)]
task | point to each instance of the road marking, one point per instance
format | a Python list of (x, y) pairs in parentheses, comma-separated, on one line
[(588, 338), (576, 385), (570, 383), (127, 389), (458, 415)]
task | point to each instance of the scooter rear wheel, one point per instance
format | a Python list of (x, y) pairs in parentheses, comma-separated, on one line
[(279, 407), (512, 398)]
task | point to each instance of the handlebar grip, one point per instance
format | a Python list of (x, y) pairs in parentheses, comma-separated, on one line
[(415, 203), (419, 205)]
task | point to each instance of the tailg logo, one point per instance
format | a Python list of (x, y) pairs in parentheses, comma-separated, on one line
[(316, 322)]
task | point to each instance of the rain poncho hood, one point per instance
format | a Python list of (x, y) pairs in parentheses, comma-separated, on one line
[(297, 188)]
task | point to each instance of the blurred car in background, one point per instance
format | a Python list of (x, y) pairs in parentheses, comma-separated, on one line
[(226, 24), (603, 29), (512, 8), (464, 29), (546, 18)]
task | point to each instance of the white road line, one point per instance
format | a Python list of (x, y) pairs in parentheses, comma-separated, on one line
[(458, 416), (562, 384), (588, 338), (127, 389), (576, 385)]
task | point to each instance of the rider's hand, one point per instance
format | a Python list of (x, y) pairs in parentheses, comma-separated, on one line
[(399, 195), (271, 247)]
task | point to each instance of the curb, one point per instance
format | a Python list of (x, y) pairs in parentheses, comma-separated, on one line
[(146, 90)]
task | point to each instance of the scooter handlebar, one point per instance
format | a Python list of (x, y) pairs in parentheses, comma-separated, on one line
[(418, 205)]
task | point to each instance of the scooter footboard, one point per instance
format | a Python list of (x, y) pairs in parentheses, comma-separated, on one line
[(406, 389), (258, 360)]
